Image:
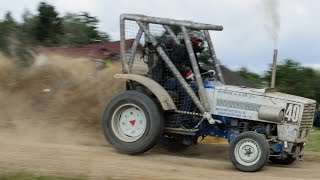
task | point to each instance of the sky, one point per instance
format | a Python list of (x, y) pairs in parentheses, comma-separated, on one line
[(248, 38)]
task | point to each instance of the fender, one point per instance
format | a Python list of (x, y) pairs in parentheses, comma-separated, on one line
[(161, 94)]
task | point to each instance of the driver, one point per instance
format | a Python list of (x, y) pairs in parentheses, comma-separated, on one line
[(180, 57)]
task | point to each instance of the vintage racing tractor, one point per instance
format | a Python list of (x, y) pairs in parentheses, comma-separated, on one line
[(259, 124)]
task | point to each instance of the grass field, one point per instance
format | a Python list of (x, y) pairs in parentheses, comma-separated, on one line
[(313, 143)]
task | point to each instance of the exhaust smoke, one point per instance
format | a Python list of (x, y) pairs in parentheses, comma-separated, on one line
[(272, 20), (272, 26)]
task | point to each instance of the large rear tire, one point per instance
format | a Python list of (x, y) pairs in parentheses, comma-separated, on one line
[(249, 152), (132, 122)]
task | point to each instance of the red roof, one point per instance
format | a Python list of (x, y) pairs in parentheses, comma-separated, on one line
[(90, 50)]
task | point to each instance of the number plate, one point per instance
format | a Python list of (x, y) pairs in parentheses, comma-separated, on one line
[(293, 112)]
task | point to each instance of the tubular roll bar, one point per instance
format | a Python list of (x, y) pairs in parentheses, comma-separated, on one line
[(143, 22)]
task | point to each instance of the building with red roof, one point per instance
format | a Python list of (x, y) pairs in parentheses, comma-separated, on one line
[(90, 51)]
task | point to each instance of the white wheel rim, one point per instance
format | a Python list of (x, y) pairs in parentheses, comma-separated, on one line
[(247, 152), (128, 122)]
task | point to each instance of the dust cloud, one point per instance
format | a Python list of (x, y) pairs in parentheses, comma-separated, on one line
[(60, 101)]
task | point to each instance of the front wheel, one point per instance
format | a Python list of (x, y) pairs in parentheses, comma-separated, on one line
[(132, 122), (249, 152)]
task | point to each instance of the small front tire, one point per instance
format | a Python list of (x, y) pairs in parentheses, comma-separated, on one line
[(249, 152)]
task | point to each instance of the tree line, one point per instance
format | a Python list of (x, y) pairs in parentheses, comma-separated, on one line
[(291, 78), (19, 40)]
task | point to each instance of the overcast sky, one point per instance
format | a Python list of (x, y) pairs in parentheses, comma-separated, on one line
[(247, 36)]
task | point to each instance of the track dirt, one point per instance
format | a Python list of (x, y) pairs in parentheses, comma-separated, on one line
[(50, 124), (204, 161)]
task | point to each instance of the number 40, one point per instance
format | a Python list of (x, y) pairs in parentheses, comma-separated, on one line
[(293, 112)]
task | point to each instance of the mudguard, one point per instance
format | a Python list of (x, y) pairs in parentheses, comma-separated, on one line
[(161, 94)]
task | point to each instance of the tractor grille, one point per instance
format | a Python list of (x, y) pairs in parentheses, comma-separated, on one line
[(307, 120), (308, 116)]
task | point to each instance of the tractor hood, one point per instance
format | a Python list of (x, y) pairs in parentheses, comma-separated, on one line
[(271, 93), (293, 114)]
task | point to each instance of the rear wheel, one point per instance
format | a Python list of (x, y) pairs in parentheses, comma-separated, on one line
[(132, 122), (249, 152)]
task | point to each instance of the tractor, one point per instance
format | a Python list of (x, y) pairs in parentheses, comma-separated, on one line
[(259, 124)]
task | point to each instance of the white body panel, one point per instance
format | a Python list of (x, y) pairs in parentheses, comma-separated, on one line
[(244, 103)]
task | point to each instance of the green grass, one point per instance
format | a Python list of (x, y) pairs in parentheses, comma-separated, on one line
[(27, 176), (313, 143)]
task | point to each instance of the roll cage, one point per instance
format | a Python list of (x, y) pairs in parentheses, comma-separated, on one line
[(143, 33)]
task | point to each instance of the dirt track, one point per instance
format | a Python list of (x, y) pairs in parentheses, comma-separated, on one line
[(100, 161), (49, 124)]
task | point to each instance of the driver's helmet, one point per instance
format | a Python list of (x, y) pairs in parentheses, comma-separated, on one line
[(197, 39)]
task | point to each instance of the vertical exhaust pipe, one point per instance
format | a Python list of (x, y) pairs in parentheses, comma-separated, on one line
[(274, 68)]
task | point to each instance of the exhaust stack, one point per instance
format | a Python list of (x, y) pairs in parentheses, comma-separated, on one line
[(274, 68)]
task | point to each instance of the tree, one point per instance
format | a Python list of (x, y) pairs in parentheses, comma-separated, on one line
[(8, 28), (18, 41), (254, 78), (292, 78), (14, 42), (48, 26), (81, 29), (205, 57), (28, 27)]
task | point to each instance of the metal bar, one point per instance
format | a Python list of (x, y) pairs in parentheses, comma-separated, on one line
[(134, 49), (196, 71), (175, 38), (173, 69), (123, 56), (190, 132), (214, 57), (189, 113), (166, 21), (146, 39)]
